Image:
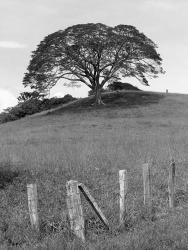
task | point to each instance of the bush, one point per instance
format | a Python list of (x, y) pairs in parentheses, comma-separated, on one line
[(121, 86), (114, 87), (32, 106)]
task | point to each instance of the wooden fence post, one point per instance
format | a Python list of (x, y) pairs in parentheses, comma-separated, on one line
[(146, 183), (32, 205), (75, 209), (171, 182), (123, 184)]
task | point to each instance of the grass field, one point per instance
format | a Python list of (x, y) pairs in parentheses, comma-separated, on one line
[(91, 144)]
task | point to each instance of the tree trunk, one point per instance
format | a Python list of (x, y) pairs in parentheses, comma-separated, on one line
[(98, 99)]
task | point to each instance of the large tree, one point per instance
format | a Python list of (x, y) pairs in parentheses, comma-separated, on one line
[(93, 54)]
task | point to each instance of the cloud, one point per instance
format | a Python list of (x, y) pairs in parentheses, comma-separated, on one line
[(7, 99), (11, 45)]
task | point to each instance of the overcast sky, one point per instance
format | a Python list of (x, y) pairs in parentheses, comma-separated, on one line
[(24, 23)]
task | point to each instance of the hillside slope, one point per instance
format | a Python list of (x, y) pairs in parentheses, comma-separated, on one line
[(90, 144)]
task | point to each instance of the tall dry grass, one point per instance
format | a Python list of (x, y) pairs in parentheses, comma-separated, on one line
[(91, 146)]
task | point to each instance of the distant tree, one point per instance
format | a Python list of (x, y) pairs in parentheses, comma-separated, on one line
[(26, 96), (93, 54), (121, 86)]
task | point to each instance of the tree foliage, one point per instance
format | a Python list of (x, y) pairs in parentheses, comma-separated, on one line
[(93, 54), (26, 96)]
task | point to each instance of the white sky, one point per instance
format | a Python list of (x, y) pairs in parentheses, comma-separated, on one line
[(24, 23)]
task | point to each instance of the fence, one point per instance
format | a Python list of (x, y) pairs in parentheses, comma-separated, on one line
[(74, 202)]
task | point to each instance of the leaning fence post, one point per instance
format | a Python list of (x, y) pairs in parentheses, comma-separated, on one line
[(93, 204), (171, 182), (146, 183), (32, 205), (75, 209), (123, 184)]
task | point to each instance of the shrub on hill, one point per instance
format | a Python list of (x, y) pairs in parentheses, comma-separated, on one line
[(115, 86), (32, 106), (121, 86)]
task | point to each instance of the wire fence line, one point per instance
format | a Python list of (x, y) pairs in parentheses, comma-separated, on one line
[(119, 199), (123, 207)]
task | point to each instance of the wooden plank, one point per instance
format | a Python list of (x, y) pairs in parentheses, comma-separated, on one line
[(32, 205), (171, 183), (75, 209), (93, 204), (123, 184), (146, 183)]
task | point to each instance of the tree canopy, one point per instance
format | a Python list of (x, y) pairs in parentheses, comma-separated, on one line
[(25, 96), (93, 54)]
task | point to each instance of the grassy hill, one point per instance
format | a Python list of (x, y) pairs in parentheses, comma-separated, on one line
[(90, 144)]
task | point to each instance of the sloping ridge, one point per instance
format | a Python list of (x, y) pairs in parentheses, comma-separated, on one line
[(45, 112), (111, 98)]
